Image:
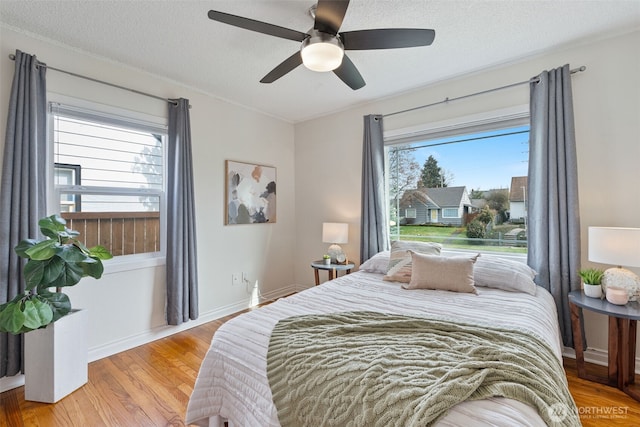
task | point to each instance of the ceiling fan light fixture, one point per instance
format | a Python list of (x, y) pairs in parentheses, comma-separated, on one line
[(322, 52)]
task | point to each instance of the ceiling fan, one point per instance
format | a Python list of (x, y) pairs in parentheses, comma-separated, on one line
[(323, 46)]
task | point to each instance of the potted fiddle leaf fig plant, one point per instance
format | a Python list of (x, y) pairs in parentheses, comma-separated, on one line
[(59, 260), (56, 347)]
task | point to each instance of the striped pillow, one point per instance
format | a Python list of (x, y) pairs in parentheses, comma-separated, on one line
[(399, 269)]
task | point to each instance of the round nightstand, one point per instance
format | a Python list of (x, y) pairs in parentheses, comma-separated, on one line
[(331, 268), (622, 340)]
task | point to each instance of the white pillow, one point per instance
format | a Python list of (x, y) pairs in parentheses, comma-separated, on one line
[(444, 273), (399, 269), (501, 273), (377, 263)]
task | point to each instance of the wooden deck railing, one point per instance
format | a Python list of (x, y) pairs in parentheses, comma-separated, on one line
[(122, 233)]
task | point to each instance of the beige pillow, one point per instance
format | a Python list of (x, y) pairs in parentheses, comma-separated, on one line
[(400, 258), (444, 273)]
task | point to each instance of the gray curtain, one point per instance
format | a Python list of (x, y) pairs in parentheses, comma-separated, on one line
[(554, 221), (374, 231), (182, 268), (23, 187)]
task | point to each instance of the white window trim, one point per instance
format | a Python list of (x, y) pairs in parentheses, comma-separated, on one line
[(414, 211), (108, 110), (490, 120), (143, 121)]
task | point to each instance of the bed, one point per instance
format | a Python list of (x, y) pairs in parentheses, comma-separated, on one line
[(233, 386)]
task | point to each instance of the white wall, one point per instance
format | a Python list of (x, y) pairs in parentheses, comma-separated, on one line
[(607, 118), (127, 308)]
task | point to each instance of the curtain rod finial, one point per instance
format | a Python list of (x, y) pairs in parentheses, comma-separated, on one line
[(12, 56)]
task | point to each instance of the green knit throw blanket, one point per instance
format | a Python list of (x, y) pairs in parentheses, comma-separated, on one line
[(376, 369)]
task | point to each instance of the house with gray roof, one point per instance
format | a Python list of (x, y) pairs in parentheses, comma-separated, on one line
[(442, 205)]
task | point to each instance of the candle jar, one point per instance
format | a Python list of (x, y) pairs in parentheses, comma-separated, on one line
[(617, 296)]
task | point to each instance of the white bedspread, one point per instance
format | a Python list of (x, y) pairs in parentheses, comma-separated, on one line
[(232, 383)]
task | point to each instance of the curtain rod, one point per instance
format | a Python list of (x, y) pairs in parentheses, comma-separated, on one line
[(49, 67), (531, 80)]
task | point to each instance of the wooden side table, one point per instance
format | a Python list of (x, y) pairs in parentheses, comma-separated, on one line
[(622, 340), (331, 268)]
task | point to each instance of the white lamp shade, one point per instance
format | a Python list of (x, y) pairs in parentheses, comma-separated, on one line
[(615, 245), (335, 232)]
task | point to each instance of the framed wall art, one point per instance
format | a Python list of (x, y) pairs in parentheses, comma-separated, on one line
[(250, 193)]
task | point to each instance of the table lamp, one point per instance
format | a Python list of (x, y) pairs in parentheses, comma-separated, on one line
[(335, 233), (618, 246)]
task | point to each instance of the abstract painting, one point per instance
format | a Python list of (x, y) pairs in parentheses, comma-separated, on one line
[(250, 194)]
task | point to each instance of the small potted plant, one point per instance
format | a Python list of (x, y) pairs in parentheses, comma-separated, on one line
[(326, 259), (592, 278)]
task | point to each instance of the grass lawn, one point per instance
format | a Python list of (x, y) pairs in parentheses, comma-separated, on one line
[(455, 238)]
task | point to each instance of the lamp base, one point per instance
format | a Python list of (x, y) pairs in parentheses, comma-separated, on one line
[(619, 277), (336, 253)]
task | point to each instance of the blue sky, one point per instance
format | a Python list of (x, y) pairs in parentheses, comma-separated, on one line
[(480, 164)]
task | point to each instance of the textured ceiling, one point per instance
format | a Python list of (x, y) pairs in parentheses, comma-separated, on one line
[(176, 40)]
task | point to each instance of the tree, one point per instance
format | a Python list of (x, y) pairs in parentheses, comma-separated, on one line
[(476, 194), (498, 201), (485, 216), (149, 164), (433, 175), (404, 171), (476, 230)]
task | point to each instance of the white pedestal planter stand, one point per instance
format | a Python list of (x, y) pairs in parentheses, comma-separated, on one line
[(56, 358)]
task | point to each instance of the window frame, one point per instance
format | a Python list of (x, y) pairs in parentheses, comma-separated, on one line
[(110, 115), (482, 122)]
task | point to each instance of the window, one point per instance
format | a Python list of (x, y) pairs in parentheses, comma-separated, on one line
[(450, 213), (109, 178), (68, 175), (472, 173)]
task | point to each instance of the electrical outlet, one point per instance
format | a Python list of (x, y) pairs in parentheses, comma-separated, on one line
[(235, 279)]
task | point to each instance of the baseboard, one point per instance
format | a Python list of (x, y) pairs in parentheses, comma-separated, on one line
[(279, 293), (8, 383), (300, 288), (106, 350), (596, 356)]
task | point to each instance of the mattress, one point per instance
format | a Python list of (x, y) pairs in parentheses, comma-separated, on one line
[(232, 383)]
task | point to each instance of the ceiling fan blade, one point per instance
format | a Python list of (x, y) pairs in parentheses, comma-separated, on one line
[(329, 15), (387, 38), (258, 26), (285, 66), (349, 74)]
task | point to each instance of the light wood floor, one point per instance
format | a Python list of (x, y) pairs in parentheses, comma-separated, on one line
[(151, 384)]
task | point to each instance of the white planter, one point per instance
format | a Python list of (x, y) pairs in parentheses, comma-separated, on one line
[(56, 358), (593, 291)]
